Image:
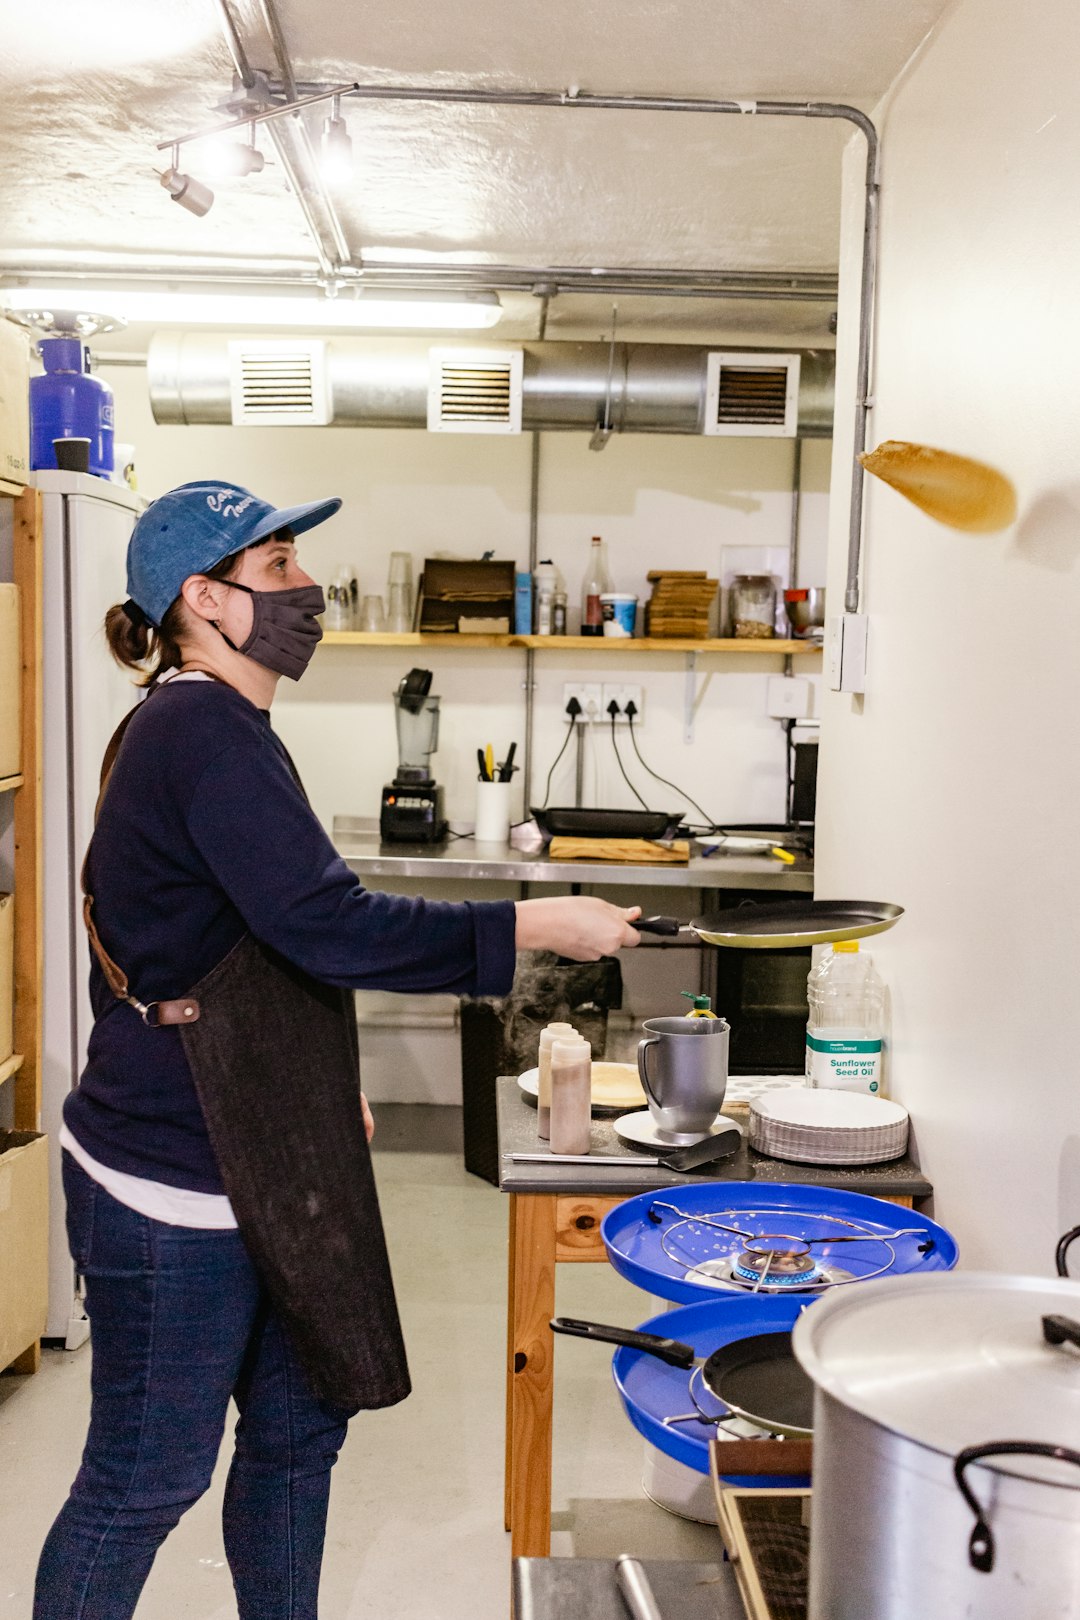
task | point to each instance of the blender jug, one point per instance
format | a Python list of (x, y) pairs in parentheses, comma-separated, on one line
[(417, 734)]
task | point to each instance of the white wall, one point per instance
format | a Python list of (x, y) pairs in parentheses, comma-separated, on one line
[(672, 502), (952, 787)]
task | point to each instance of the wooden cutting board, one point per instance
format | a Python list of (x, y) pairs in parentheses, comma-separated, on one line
[(639, 851)]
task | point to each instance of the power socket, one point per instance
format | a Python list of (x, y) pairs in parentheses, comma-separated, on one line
[(589, 695), (622, 695), (789, 697)]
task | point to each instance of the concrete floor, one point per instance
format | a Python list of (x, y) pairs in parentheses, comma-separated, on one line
[(416, 1511)]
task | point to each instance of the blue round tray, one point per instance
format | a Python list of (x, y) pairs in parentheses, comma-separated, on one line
[(635, 1243), (651, 1390)]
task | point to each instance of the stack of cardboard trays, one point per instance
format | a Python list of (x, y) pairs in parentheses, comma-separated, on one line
[(680, 603)]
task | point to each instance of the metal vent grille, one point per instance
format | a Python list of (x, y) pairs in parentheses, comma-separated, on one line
[(475, 391), (752, 395), (279, 384)]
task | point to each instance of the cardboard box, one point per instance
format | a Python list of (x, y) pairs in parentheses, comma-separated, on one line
[(7, 976), (24, 1241), (10, 681), (14, 407), (451, 591)]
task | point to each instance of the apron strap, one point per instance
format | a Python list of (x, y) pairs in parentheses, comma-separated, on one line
[(154, 1013)]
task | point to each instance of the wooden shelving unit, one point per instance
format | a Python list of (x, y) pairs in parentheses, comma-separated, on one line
[(633, 646), (23, 1070)]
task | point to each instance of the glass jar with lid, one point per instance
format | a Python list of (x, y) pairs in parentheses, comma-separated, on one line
[(753, 606)]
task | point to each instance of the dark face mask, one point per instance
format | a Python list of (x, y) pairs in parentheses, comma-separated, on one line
[(285, 629)]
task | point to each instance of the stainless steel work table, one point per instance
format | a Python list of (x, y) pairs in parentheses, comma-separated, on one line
[(555, 1215), (463, 859)]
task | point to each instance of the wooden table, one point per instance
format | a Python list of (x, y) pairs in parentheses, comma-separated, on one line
[(555, 1215)]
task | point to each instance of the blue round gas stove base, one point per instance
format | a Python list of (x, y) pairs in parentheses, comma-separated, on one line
[(651, 1390), (635, 1234)]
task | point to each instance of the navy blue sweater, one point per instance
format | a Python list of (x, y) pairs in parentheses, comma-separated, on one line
[(204, 836)]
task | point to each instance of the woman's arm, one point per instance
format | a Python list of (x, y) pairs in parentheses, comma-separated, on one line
[(268, 850)]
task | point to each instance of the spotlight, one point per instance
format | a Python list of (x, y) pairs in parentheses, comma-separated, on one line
[(188, 192), (337, 153), (226, 160)]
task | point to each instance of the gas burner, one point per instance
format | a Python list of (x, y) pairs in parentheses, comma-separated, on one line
[(780, 1260), (731, 1273), (720, 1250)]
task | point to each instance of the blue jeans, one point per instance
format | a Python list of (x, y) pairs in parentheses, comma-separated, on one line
[(180, 1323)]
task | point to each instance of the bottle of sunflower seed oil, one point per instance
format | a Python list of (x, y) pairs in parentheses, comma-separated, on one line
[(846, 998)]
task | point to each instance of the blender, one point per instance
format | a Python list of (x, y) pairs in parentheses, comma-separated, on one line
[(412, 804)]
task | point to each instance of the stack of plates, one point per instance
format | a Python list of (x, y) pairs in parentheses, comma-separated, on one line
[(827, 1127)]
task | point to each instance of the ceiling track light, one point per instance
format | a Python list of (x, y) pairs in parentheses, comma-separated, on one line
[(185, 189), (235, 158), (337, 151)]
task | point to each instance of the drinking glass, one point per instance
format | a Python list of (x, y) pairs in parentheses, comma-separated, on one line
[(399, 614), (372, 614)]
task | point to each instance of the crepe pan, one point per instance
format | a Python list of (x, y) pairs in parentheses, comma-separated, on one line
[(756, 1378), (780, 927)]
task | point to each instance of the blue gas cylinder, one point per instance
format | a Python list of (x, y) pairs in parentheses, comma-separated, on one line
[(68, 403)]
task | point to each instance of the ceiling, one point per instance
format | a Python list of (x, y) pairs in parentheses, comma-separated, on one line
[(87, 93)]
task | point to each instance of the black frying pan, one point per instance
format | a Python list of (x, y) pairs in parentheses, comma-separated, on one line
[(756, 1378), (779, 927)]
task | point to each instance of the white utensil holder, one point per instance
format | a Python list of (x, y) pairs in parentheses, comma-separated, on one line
[(493, 812)]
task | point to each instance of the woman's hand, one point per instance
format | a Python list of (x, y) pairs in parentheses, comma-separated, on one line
[(369, 1123), (576, 925)]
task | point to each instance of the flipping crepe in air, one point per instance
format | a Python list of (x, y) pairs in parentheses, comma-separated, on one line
[(955, 490)]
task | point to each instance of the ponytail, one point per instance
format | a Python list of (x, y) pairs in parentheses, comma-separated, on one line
[(151, 649)]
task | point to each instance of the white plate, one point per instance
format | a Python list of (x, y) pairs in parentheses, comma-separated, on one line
[(817, 1108), (640, 1130)]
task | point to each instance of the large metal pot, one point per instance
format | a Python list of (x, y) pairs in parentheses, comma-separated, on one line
[(946, 1407)]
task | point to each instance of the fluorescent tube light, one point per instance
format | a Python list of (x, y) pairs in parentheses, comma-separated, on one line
[(156, 306)]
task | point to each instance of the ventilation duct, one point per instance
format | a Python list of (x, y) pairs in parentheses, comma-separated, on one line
[(400, 382)]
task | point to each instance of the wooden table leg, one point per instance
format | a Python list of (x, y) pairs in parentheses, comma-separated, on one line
[(531, 1358), (510, 1307)]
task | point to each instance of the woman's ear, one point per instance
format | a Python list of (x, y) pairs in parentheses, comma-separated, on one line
[(203, 597)]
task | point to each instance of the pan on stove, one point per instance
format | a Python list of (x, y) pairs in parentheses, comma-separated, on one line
[(756, 1378), (780, 927)]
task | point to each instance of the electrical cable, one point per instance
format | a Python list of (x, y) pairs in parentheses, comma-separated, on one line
[(630, 712), (562, 750), (622, 768)]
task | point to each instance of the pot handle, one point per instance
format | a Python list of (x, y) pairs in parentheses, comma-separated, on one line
[(669, 1350), (1062, 1250), (981, 1545)]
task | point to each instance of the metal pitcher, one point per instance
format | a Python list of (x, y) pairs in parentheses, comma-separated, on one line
[(683, 1065)]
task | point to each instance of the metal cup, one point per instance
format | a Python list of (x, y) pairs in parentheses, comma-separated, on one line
[(683, 1064)]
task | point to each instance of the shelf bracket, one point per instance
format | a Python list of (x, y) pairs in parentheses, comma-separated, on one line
[(690, 697)]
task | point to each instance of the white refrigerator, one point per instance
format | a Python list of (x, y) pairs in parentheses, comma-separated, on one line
[(87, 522)]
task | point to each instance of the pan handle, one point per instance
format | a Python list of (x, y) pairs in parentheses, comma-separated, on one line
[(657, 925), (669, 1350), (981, 1545)]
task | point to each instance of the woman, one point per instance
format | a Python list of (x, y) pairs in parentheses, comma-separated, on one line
[(220, 1199)]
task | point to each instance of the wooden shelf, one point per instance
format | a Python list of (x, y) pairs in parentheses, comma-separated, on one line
[(774, 648), (9, 782), (12, 1066)]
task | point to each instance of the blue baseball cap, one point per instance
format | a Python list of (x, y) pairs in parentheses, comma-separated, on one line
[(196, 526)]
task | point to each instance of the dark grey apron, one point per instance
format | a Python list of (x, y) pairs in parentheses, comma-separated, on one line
[(273, 1054)]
